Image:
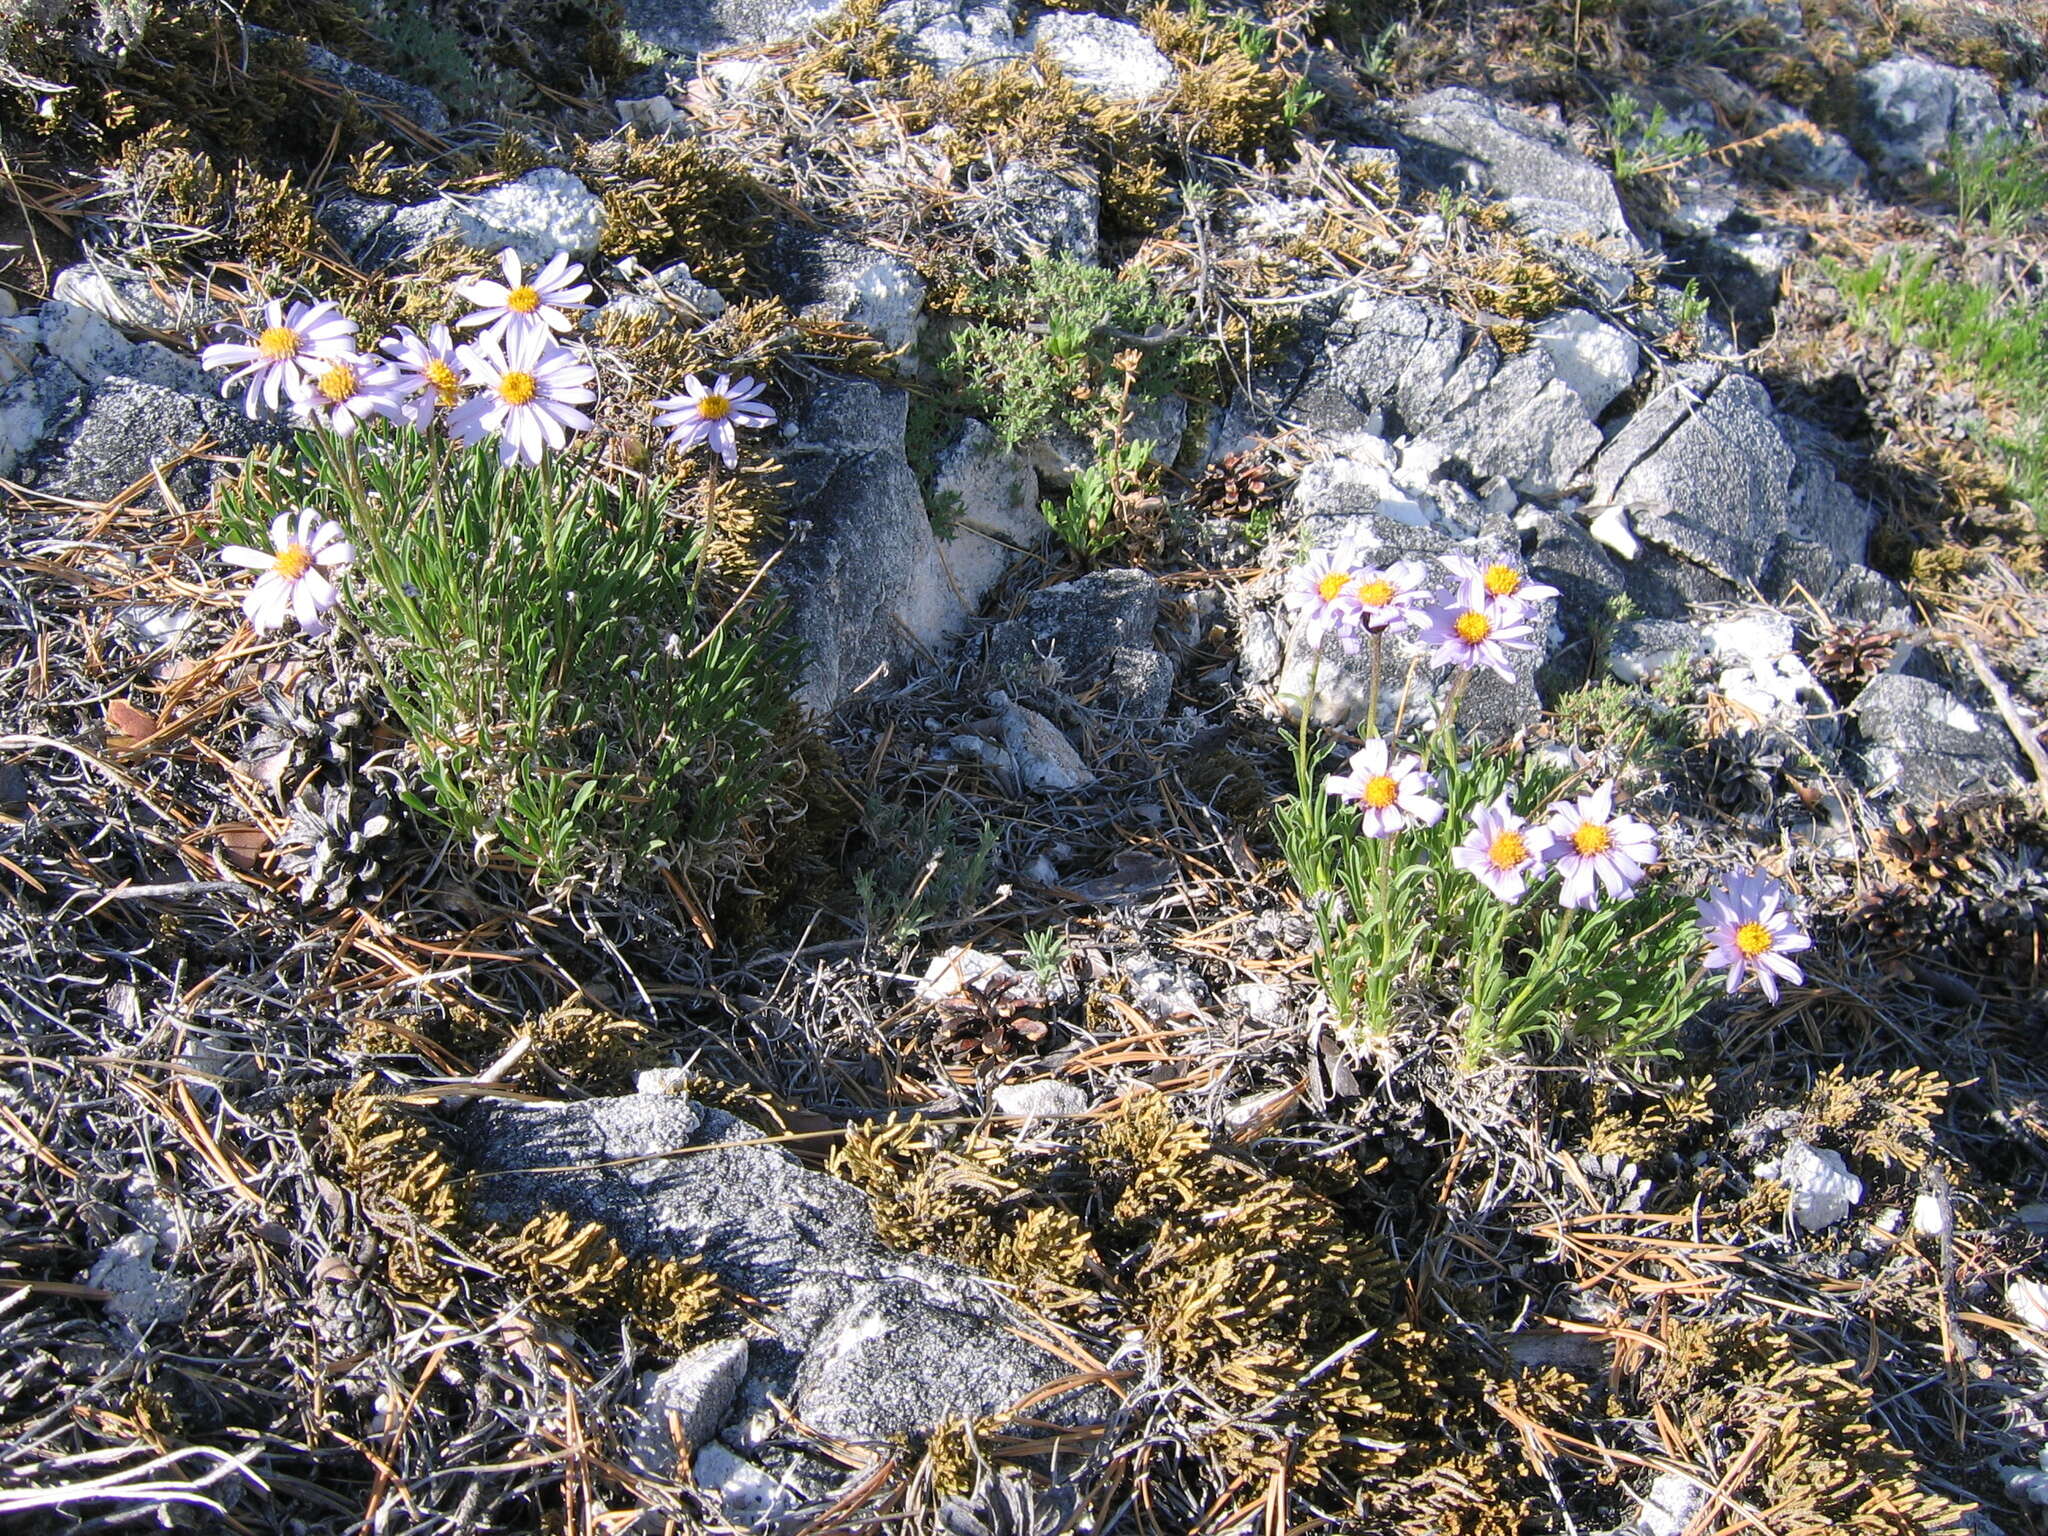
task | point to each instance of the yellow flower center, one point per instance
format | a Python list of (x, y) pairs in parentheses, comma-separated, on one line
[(713, 407), (278, 344), (1592, 838), (1473, 627), (292, 562), (517, 388), (339, 383), (1380, 791), (523, 300), (1332, 586), (1507, 850), (442, 377), (1753, 939), (1376, 593), (1502, 580)]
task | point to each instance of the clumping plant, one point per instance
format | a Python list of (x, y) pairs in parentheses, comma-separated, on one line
[(1045, 955), (1985, 336), (1641, 147), (1432, 875), (1041, 350), (575, 705), (2000, 183)]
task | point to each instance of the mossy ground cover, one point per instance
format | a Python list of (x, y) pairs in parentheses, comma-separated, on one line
[(1391, 1288)]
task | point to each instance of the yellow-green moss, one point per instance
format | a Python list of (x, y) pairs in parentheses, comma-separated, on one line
[(273, 221), (1521, 286), (854, 46), (406, 1179), (1224, 101), (1240, 1280), (1824, 1466), (678, 200)]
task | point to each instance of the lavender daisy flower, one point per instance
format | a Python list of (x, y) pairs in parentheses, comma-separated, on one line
[(1502, 851), (1321, 592), (527, 394), (709, 413), (1497, 579), (537, 306), (425, 371), (1390, 597), (1748, 930), (343, 391), (1595, 847), (1469, 629), (1389, 791), (306, 558), (284, 351)]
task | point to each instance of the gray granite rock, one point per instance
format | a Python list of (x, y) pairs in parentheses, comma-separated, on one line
[(417, 102), (127, 299), (1562, 554), (1595, 359), (1031, 210), (539, 214), (1089, 637), (1461, 138), (1810, 156), (1705, 471), (987, 498), (954, 34), (872, 1342), (140, 1296), (700, 26), (678, 282), (1743, 266), (1434, 377), (120, 433), (93, 350), (543, 212), (29, 403), (1642, 648), (866, 585), (1824, 511), (1113, 59), (1918, 741), (1907, 108), (684, 1406), (824, 277)]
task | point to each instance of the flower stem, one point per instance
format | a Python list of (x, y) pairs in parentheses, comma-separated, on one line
[(1378, 644)]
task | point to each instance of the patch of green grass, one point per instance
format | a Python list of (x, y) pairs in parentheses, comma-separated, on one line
[(1994, 343), (1999, 183), (574, 703)]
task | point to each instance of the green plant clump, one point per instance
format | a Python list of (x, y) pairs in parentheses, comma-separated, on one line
[(1996, 343), (1039, 352), (574, 703), (1999, 183), (1641, 147), (1397, 912)]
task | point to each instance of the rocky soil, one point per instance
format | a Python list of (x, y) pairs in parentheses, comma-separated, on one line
[(974, 1151)]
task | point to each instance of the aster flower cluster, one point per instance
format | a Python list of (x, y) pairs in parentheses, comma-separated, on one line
[(1480, 620), (1430, 863), (1599, 855), (520, 381)]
